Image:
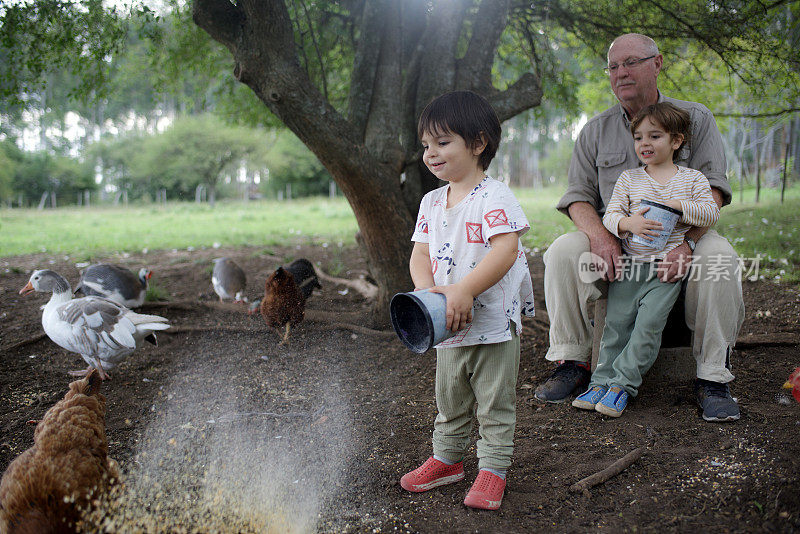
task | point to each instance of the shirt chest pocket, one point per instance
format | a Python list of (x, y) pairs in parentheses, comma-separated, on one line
[(609, 166), (608, 160)]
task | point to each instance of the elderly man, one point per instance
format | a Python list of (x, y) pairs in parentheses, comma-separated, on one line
[(713, 294)]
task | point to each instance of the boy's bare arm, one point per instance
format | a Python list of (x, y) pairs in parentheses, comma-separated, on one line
[(494, 266), (420, 266), (487, 273)]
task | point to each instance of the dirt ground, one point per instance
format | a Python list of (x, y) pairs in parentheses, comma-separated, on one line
[(220, 428)]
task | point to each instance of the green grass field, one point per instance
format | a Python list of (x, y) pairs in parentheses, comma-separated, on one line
[(769, 229)]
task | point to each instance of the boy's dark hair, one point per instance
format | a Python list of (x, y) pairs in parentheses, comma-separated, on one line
[(673, 119), (467, 114)]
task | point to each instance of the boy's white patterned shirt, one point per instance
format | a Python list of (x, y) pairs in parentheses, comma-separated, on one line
[(458, 239)]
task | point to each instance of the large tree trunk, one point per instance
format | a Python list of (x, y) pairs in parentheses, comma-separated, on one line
[(394, 76)]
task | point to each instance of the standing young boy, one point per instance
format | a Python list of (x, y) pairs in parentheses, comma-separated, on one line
[(467, 247)]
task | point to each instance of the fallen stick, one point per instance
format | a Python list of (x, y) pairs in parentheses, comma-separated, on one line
[(612, 470), (775, 339)]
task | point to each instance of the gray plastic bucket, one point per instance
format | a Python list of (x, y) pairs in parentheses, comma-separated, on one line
[(666, 216), (419, 318)]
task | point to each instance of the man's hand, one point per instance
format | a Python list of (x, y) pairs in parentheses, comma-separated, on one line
[(459, 305), (675, 264), (637, 224), (601, 242), (606, 245)]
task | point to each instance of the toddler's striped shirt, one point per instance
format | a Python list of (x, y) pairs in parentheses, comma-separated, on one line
[(634, 185)]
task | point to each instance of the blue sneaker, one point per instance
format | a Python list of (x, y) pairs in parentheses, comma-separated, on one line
[(613, 402), (589, 398)]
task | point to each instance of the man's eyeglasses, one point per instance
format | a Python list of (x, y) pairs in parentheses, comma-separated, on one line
[(628, 64)]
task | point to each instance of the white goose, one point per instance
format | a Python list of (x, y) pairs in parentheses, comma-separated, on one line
[(100, 330)]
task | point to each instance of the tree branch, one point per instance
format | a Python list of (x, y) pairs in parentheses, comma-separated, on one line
[(316, 48), (438, 56), (759, 115), (220, 19), (475, 68), (524, 94), (385, 119), (612, 470), (365, 65)]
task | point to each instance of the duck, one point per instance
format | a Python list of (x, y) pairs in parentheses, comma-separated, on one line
[(229, 280), (102, 331), (116, 283)]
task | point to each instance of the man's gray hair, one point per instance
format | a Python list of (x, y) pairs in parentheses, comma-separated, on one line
[(650, 45)]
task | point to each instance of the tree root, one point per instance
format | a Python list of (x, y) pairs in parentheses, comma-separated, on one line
[(612, 470), (388, 334), (211, 328), (191, 305), (23, 343), (367, 290), (232, 328)]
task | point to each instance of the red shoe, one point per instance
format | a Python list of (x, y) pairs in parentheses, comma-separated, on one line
[(486, 492), (431, 474)]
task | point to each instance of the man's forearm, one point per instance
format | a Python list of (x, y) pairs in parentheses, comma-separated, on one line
[(586, 218)]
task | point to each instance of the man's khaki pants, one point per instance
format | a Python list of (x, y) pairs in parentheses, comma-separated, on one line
[(714, 306)]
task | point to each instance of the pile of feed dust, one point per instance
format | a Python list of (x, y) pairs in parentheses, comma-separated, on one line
[(209, 465), (125, 510)]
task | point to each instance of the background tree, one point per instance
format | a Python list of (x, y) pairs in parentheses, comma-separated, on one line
[(197, 150), (9, 156), (43, 172), (291, 163)]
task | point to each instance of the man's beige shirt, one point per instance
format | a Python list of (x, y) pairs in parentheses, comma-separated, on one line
[(604, 149)]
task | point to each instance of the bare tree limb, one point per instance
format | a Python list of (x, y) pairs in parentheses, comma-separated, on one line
[(524, 94), (583, 485), (220, 18), (386, 109), (778, 113), (365, 65), (438, 57), (316, 48), (475, 68)]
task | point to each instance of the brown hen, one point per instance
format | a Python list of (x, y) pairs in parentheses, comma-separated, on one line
[(45, 488), (283, 305)]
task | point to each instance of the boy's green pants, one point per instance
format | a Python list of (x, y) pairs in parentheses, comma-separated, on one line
[(482, 374), (638, 307)]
